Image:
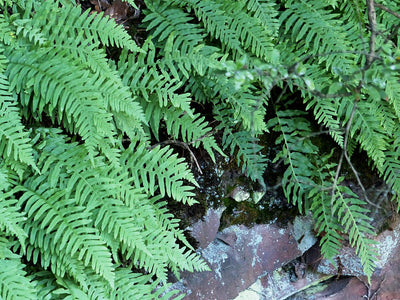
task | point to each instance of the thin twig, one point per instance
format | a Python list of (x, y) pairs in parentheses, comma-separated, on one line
[(372, 25), (359, 181), (371, 295), (397, 15), (334, 185), (344, 152), (317, 134), (345, 155)]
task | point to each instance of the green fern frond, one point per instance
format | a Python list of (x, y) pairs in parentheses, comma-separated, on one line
[(161, 102), (160, 168), (45, 284), (15, 143), (73, 100), (245, 102), (165, 20), (369, 132), (391, 167), (355, 221), (310, 182), (315, 29), (325, 112), (7, 35), (11, 219), (215, 22), (61, 24), (254, 38), (127, 220), (14, 282), (297, 179), (88, 56), (181, 41), (138, 286), (148, 82), (265, 11), (192, 130), (326, 224), (65, 228), (386, 19), (249, 155)]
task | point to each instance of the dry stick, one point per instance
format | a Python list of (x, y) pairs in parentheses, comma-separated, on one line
[(334, 185), (397, 15), (372, 25), (339, 167), (345, 154)]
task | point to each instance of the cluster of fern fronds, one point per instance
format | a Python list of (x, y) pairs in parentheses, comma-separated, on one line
[(84, 180)]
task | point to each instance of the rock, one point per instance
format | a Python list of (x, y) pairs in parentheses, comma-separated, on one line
[(277, 286), (385, 282), (303, 232), (269, 262), (254, 292), (350, 263), (205, 230), (257, 196), (237, 257), (239, 194)]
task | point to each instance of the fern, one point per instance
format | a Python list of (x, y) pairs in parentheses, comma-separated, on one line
[(296, 180), (159, 168), (87, 116), (305, 22), (309, 182), (215, 21), (248, 151), (14, 284)]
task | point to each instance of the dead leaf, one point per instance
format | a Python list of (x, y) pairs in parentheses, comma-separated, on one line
[(100, 5)]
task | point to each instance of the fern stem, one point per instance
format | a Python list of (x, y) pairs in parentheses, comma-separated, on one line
[(345, 154)]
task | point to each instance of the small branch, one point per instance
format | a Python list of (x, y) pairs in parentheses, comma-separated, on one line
[(345, 154), (334, 185), (359, 181), (329, 96), (307, 57), (372, 25), (317, 134), (372, 295), (203, 137), (397, 15)]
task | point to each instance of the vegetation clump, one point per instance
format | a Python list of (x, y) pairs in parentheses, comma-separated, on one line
[(86, 170)]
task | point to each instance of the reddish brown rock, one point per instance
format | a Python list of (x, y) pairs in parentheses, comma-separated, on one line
[(241, 257), (237, 258), (385, 282), (205, 231)]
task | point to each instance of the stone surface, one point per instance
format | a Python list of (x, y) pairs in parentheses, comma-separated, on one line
[(303, 232), (254, 292), (239, 194), (205, 230), (388, 248), (266, 262), (237, 257)]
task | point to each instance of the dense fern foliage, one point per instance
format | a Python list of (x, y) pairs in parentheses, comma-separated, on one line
[(87, 112)]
